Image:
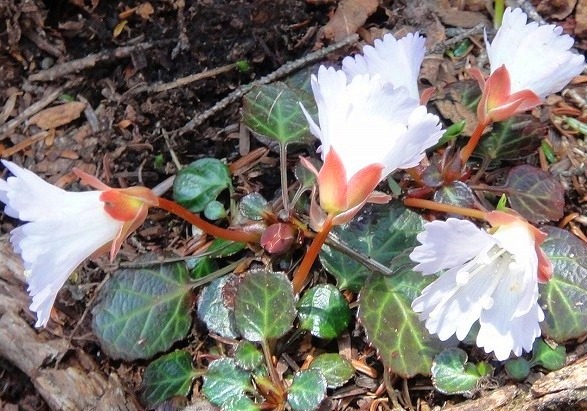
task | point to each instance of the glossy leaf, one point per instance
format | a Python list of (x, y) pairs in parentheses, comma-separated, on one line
[(404, 345), (166, 377), (253, 206), (458, 194), (451, 376), (307, 390), (547, 357), (535, 194), (516, 137), (144, 311), (247, 355), (224, 381), (214, 210), (273, 111), (201, 266), (215, 306), (323, 311), (264, 305), (240, 403), (380, 232), (564, 297), (224, 248), (334, 367), (200, 183)]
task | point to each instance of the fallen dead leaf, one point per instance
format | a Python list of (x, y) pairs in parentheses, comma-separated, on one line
[(581, 19), (56, 116), (556, 9), (348, 17), (462, 18), (145, 10)]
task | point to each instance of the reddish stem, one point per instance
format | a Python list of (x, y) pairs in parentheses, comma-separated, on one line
[(445, 208), (211, 229), (472, 143), (303, 270)]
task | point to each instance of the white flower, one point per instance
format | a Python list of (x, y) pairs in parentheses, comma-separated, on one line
[(65, 228), (396, 61), (538, 58), (368, 129), (528, 62), (492, 278)]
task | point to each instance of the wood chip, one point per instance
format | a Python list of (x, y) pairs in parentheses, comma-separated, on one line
[(56, 116), (348, 17)]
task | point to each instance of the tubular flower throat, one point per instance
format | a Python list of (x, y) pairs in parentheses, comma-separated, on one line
[(490, 278), (64, 228)]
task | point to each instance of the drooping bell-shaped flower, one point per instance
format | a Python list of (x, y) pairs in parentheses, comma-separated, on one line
[(528, 62), (368, 129), (396, 61), (491, 277), (64, 228)]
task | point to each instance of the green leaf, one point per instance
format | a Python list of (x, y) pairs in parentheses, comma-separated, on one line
[(144, 311), (334, 367), (380, 232), (305, 177), (201, 266), (517, 368), (391, 325), (214, 210), (516, 137), (253, 206), (264, 305), (225, 380), (450, 376), (323, 311), (458, 194), (307, 390), (536, 195), (240, 403), (215, 306), (564, 297), (200, 183), (166, 377), (247, 355), (547, 357), (224, 248), (273, 111)]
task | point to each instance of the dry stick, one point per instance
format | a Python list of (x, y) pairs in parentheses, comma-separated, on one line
[(74, 66), (277, 74), (456, 39), (33, 109), (157, 88)]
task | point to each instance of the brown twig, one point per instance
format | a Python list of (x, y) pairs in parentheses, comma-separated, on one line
[(74, 66)]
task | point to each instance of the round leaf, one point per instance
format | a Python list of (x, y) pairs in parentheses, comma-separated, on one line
[(225, 380), (307, 390), (144, 311), (273, 111), (253, 206), (550, 358), (535, 194), (200, 183), (214, 210), (215, 310), (391, 325), (458, 194), (334, 367), (323, 311), (240, 403), (380, 232), (166, 377), (449, 375), (264, 305), (564, 297), (517, 368), (247, 356)]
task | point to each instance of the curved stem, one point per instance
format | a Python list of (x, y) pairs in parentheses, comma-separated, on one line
[(283, 173), (445, 208), (303, 270), (226, 234), (472, 143)]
